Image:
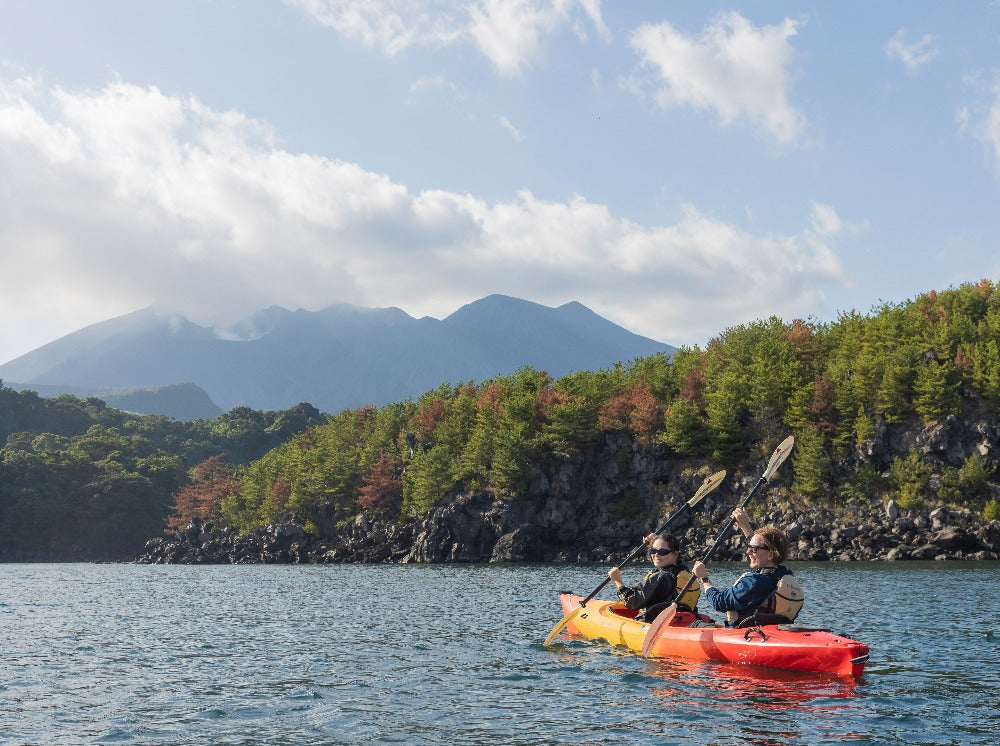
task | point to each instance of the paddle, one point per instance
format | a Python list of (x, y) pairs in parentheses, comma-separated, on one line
[(707, 486), (664, 618)]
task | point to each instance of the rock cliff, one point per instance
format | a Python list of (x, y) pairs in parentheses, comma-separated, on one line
[(597, 506)]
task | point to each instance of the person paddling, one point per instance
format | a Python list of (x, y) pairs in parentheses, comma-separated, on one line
[(659, 588), (766, 594)]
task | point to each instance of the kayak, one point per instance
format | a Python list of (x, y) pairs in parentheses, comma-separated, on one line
[(786, 646)]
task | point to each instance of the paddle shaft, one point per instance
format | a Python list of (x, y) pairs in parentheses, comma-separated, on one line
[(722, 537), (635, 552)]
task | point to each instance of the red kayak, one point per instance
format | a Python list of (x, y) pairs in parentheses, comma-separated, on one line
[(786, 646)]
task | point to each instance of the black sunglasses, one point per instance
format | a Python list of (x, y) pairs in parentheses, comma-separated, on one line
[(662, 552)]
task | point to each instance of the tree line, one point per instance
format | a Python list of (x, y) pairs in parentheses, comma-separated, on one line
[(76, 471), (833, 385)]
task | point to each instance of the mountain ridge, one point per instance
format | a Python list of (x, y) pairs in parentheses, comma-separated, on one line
[(339, 357)]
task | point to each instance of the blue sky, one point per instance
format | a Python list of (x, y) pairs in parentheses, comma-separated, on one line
[(678, 167)]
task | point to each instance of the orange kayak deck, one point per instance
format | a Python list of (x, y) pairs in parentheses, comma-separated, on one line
[(775, 645)]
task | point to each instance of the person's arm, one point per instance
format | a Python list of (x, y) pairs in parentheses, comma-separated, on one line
[(625, 594), (743, 521), (749, 590)]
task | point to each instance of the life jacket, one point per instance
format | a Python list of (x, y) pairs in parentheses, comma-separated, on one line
[(687, 602), (781, 607)]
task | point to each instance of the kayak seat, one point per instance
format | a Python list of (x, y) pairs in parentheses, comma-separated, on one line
[(759, 620), (651, 612), (687, 619), (620, 610)]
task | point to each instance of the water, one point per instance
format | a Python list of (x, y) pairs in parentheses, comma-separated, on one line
[(452, 655)]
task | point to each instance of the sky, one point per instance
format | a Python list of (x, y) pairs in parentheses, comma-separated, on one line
[(678, 166)]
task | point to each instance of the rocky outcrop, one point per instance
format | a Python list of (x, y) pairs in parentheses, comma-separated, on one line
[(596, 506), (457, 533)]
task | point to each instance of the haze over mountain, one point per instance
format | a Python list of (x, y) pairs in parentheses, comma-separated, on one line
[(341, 357)]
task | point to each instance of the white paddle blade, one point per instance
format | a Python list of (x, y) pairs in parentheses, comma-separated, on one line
[(707, 486), (782, 452)]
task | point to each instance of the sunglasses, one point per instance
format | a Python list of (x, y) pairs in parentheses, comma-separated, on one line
[(662, 552), (756, 547)]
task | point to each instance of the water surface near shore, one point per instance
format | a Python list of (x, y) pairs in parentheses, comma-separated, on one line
[(442, 654)]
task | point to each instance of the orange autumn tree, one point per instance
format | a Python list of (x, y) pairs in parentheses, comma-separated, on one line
[(211, 481), (635, 408), (381, 492)]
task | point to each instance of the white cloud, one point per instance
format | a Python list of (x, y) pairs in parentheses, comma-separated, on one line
[(912, 54), (825, 220), (738, 70), (389, 25), (508, 32), (991, 129), (510, 128), (981, 122), (126, 197)]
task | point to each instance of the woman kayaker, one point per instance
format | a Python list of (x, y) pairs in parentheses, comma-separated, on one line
[(767, 593), (659, 588)]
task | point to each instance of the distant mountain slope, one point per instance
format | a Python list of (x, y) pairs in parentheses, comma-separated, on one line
[(341, 357), (182, 401)]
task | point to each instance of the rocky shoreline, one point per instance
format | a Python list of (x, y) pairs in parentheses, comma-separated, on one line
[(941, 534)]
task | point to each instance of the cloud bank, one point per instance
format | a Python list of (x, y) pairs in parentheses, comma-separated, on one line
[(124, 197)]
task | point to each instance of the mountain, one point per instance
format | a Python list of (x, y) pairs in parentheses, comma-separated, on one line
[(341, 357), (182, 401)]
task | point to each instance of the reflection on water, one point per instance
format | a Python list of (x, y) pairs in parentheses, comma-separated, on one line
[(763, 688)]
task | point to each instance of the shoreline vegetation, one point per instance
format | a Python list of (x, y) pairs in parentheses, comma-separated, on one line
[(896, 419)]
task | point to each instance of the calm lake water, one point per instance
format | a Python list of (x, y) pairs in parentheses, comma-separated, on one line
[(453, 655)]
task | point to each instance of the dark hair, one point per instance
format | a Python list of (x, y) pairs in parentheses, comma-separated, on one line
[(776, 541), (672, 542)]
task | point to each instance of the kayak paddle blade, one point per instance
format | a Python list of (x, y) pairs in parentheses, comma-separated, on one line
[(707, 486), (782, 452), (663, 619), (561, 626)]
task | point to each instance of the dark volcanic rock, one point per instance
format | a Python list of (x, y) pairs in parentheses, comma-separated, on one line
[(596, 506)]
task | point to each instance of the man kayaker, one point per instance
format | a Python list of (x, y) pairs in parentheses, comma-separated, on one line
[(767, 593), (659, 588)]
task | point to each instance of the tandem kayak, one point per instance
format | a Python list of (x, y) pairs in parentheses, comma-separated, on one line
[(785, 646)]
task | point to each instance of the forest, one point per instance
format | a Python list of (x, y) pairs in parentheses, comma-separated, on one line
[(80, 480), (76, 475)]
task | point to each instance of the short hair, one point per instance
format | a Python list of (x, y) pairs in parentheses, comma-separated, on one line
[(775, 540), (672, 542)]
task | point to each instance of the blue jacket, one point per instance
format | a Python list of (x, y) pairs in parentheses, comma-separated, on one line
[(748, 592)]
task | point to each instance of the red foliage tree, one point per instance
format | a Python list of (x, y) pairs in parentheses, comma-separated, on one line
[(822, 407), (427, 418), (278, 496), (693, 385), (381, 491), (201, 499), (547, 397), (636, 408), (491, 395)]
